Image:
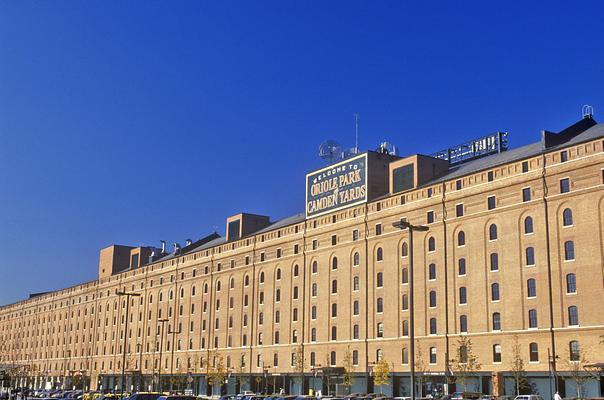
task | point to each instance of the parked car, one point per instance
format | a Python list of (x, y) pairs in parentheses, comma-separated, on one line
[(528, 397), (178, 397), (466, 395), (144, 396)]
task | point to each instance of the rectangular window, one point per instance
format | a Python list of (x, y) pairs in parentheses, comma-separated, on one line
[(525, 166), (315, 244), (458, 184), (430, 191), (564, 185), (296, 248), (564, 156), (355, 235), (491, 203), (526, 194), (334, 240), (459, 210), (278, 253), (262, 256), (490, 176), (430, 217), (378, 229)]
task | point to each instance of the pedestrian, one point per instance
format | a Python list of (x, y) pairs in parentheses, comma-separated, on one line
[(557, 396)]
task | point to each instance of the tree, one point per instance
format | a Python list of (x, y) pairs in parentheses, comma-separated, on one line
[(381, 373), (420, 367), (466, 364), (580, 371), (348, 369), (299, 367), (517, 369), (217, 372)]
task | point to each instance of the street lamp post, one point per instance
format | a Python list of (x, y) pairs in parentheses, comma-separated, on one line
[(403, 224), (127, 295)]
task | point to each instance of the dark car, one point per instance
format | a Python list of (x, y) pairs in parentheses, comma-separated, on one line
[(147, 396), (178, 397)]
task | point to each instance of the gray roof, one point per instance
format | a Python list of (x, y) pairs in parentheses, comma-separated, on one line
[(294, 219), (517, 154)]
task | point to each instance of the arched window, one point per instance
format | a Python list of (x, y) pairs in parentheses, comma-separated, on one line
[(532, 318), (494, 262), (463, 298), (461, 266), (463, 354), (573, 316), (497, 353), (569, 250), (432, 326), (355, 283), (495, 292), (380, 329), (334, 310), (334, 286), (574, 351), (493, 232), (567, 217), (247, 280), (232, 283), (334, 263), (431, 244), (314, 290), (332, 358), (405, 249), (405, 356), (432, 355), (432, 271), (182, 292), (432, 298), (533, 352), (218, 286), (405, 276), (528, 225), (496, 321), (296, 270), (379, 254), (530, 256), (262, 277), (378, 355), (193, 291), (171, 294), (380, 305), (278, 274), (571, 283), (355, 357), (463, 323), (334, 333), (356, 259), (313, 335), (405, 328), (531, 288), (461, 238), (380, 280)]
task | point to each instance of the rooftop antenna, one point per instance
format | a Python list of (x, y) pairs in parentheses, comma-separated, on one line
[(588, 111), (330, 151), (356, 133)]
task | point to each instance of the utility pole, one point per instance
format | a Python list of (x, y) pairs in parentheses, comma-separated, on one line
[(403, 224), (127, 295)]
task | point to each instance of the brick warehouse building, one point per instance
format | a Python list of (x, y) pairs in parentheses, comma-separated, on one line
[(513, 260)]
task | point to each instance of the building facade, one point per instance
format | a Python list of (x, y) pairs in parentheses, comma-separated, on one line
[(511, 267)]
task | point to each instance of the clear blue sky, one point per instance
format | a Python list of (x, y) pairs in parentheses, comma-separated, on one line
[(131, 122)]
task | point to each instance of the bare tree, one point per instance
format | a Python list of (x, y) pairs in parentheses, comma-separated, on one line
[(517, 368), (466, 364), (420, 367), (580, 371), (217, 373), (299, 366)]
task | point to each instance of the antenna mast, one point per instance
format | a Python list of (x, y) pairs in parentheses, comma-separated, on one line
[(356, 133)]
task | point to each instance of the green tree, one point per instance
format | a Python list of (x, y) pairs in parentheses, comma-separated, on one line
[(217, 373), (348, 369), (381, 373), (466, 364)]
